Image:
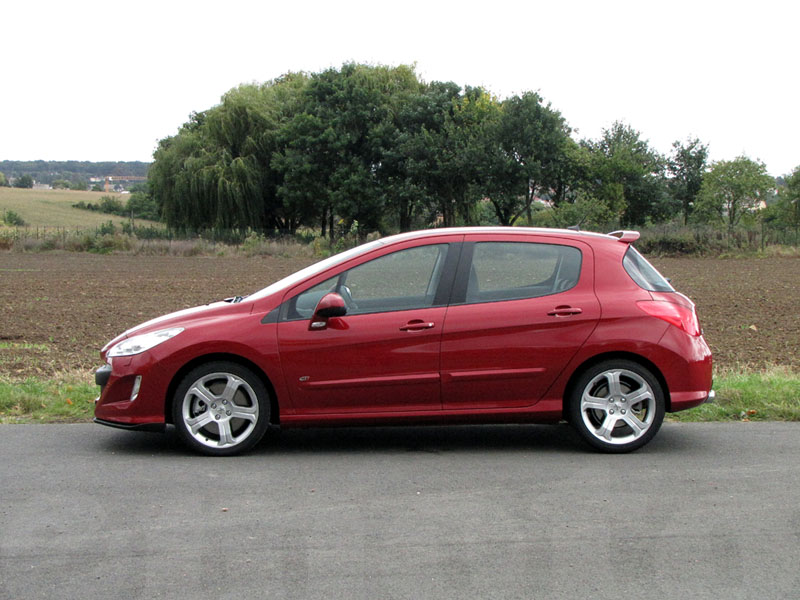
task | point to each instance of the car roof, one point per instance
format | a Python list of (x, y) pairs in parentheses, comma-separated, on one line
[(624, 236)]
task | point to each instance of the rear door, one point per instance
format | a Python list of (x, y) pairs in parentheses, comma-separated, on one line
[(522, 306)]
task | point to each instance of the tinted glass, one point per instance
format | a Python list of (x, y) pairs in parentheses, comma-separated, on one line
[(514, 270), (643, 273), (398, 281)]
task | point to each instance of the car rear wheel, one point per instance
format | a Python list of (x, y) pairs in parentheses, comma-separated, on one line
[(617, 406), (221, 408)]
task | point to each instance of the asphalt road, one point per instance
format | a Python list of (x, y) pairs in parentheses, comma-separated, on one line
[(704, 511)]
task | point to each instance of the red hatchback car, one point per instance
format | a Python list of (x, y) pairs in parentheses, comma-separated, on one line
[(469, 325)]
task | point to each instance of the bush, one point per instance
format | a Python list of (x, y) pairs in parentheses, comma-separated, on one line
[(107, 228), (12, 218)]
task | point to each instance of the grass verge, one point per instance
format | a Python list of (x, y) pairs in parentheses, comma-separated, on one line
[(66, 400), (770, 395)]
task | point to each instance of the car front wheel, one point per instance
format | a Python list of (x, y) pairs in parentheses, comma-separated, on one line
[(617, 406), (221, 408)]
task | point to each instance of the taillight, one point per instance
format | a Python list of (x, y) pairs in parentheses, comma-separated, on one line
[(675, 314)]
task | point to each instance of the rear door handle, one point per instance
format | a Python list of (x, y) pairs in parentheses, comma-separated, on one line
[(564, 311), (417, 325)]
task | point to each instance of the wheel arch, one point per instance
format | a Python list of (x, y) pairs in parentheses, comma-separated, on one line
[(597, 359), (274, 409)]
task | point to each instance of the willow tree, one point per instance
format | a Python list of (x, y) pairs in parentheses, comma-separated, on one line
[(217, 171)]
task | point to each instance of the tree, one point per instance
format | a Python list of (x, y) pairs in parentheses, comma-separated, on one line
[(26, 181), (331, 153), (787, 208), (628, 176), (731, 189), (3, 181), (526, 156), (686, 166)]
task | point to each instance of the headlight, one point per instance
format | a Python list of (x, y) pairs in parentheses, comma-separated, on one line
[(141, 343)]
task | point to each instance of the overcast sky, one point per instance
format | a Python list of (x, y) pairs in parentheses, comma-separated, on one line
[(106, 80)]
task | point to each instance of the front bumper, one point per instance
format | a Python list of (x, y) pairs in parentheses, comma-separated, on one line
[(156, 427), (132, 392)]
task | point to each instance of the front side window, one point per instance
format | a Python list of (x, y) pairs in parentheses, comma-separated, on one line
[(516, 270), (402, 280)]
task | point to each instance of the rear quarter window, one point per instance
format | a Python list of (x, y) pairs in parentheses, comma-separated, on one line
[(643, 273)]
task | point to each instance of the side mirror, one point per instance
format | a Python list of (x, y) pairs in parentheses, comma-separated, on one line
[(329, 306)]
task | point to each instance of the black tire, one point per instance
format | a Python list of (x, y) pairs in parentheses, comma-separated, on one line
[(617, 406), (221, 408)]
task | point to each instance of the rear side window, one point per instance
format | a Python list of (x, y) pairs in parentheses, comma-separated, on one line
[(517, 270), (643, 273)]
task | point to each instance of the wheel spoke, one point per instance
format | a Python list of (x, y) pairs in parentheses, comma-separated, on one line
[(589, 402), (202, 392), (200, 421), (637, 425), (225, 434), (637, 396), (607, 427), (614, 385), (244, 412), (231, 387)]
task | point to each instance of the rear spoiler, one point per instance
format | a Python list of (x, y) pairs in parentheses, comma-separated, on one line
[(625, 236)]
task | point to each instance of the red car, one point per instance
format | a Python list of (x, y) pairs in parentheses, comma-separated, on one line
[(469, 325)]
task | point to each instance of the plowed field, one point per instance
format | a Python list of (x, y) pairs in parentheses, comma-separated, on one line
[(59, 309)]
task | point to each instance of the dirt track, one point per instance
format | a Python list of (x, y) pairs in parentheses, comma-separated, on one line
[(58, 309)]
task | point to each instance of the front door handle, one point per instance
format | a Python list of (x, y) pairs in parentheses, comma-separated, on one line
[(417, 325), (564, 311)]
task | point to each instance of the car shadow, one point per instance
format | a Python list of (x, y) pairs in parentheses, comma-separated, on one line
[(411, 438), (560, 438), (429, 439)]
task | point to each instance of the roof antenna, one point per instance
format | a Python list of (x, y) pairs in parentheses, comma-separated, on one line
[(574, 227)]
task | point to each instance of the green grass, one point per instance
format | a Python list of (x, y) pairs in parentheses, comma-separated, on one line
[(772, 395), (34, 400), (53, 208)]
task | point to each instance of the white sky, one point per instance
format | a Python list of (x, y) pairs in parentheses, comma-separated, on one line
[(85, 80)]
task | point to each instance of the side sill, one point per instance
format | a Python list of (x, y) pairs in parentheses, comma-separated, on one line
[(156, 427)]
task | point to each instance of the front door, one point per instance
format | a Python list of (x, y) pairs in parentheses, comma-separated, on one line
[(383, 355)]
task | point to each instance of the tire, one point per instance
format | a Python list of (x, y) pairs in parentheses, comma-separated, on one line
[(617, 406), (221, 409)]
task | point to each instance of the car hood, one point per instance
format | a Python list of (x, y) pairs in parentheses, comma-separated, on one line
[(182, 318)]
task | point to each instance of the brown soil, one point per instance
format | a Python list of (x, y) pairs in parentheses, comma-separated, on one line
[(59, 309), (749, 308)]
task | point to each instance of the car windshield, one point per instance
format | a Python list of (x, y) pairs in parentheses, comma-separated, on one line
[(312, 270)]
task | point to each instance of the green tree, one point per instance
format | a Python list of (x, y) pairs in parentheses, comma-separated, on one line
[(3, 180), (216, 171), (732, 189), (686, 167), (418, 113), (628, 176), (26, 181), (142, 206), (332, 150), (787, 209), (526, 157)]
